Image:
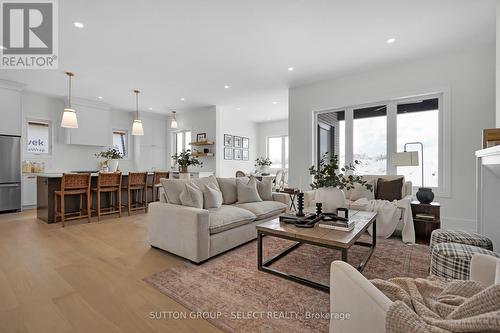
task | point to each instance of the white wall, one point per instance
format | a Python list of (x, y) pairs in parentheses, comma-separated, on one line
[(198, 120), (230, 122), (498, 67), (469, 76), (66, 157), (10, 107), (268, 129)]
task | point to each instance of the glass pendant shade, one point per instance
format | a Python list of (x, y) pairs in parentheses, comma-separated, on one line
[(69, 118), (137, 127), (173, 123)]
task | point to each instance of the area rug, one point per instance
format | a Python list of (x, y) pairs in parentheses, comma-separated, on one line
[(230, 292)]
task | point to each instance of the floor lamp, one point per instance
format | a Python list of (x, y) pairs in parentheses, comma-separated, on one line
[(410, 158)]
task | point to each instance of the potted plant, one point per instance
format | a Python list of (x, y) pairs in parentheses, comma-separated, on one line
[(263, 164), (112, 155), (330, 181), (184, 160)]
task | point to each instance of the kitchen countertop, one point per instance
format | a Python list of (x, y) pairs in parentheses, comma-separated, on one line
[(59, 174)]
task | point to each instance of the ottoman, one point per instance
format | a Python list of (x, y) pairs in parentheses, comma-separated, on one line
[(452, 260), (460, 236)]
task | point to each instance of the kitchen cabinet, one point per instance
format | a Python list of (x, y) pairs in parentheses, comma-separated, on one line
[(28, 190), (10, 95)]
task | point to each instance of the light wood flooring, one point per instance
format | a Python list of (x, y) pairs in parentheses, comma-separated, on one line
[(83, 278)]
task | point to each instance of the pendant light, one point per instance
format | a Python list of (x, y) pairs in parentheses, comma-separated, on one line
[(173, 124), (69, 115), (137, 124)]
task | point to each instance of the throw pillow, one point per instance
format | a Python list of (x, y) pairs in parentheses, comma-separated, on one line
[(228, 189), (389, 189), (247, 191), (173, 188), (265, 188), (191, 196), (212, 196), (359, 191)]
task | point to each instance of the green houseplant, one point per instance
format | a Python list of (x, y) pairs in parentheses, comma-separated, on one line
[(329, 179), (263, 164), (111, 156), (184, 160)]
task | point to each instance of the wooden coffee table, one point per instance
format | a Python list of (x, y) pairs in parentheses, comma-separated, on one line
[(333, 239)]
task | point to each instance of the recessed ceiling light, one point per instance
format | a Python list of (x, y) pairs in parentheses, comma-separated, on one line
[(290, 69), (275, 103), (227, 86), (238, 109), (99, 97), (150, 108), (183, 99), (391, 40)]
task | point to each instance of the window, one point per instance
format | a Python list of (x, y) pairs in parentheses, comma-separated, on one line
[(38, 137), (372, 133), (277, 151), (419, 122), (331, 134), (120, 141), (182, 141), (370, 140)]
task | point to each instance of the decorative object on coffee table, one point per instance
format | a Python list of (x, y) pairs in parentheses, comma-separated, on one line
[(319, 206), (410, 158), (300, 204), (330, 179), (426, 218)]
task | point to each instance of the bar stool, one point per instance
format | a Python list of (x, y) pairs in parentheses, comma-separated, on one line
[(73, 184), (109, 182), (157, 175), (137, 181)]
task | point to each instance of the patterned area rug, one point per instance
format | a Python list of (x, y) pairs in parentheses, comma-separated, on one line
[(239, 298)]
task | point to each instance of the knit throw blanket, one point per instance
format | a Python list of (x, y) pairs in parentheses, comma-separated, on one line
[(437, 305)]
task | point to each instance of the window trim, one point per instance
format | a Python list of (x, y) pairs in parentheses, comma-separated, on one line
[(443, 95), (51, 138), (127, 148), (283, 153)]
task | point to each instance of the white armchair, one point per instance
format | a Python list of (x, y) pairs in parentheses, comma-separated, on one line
[(351, 292)]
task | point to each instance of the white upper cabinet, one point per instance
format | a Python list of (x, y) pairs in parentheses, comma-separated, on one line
[(10, 108), (94, 125)]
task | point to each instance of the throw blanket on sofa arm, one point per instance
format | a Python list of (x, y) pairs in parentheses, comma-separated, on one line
[(388, 217), (440, 306)]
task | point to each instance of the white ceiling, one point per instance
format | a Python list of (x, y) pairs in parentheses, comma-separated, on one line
[(192, 48)]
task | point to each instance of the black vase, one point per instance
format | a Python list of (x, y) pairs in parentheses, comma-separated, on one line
[(425, 195)]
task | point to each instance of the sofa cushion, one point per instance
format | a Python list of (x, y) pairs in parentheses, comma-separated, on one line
[(228, 189), (265, 188), (247, 191), (228, 217), (191, 196), (174, 187), (264, 209), (212, 196), (389, 189)]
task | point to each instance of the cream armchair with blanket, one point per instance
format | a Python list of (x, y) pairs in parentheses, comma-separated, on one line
[(351, 292), (360, 200)]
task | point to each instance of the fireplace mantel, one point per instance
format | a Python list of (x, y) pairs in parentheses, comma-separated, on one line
[(488, 193)]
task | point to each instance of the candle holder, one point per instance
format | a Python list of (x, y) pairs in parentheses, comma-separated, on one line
[(319, 208), (300, 205)]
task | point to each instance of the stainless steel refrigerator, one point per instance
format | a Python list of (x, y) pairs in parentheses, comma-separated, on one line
[(10, 173)]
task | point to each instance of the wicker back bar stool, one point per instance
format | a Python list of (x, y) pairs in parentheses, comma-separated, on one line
[(73, 184), (137, 183), (157, 175), (109, 182)]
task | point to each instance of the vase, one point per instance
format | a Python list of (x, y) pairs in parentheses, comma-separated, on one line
[(112, 165), (264, 170), (331, 198), (183, 169), (425, 195)]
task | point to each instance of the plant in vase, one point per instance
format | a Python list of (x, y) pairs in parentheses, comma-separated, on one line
[(184, 160), (330, 180), (263, 164), (111, 156)]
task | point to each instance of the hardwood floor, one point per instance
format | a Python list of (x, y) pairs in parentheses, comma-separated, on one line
[(83, 278)]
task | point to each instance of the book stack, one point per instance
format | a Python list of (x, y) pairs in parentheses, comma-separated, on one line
[(337, 225), (426, 217)]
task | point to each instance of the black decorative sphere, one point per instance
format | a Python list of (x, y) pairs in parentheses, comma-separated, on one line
[(425, 195)]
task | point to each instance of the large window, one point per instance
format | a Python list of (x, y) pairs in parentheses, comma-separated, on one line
[(38, 137), (331, 135), (182, 141), (370, 140), (372, 133), (120, 142), (277, 151)]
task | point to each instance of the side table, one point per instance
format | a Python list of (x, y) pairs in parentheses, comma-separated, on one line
[(426, 218)]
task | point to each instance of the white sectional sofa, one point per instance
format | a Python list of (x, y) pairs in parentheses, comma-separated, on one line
[(198, 234)]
